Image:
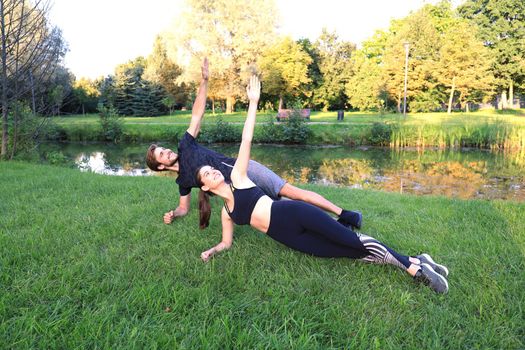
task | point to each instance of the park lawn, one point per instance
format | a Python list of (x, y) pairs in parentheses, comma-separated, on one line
[(485, 129), (184, 117), (86, 262)]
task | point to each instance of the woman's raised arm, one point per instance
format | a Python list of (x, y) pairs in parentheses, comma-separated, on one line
[(241, 165)]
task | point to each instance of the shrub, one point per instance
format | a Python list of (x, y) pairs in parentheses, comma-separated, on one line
[(380, 134), (56, 158), (111, 123), (270, 132), (295, 129), (53, 132), (24, 133), (221, 131)]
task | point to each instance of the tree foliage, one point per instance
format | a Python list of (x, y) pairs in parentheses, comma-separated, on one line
[(232, 34), (335, 67), (284, 69), (31, 49), (502, 30)]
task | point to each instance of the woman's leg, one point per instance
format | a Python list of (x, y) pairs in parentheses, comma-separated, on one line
[(311, 230), (308, 229), (377, 252), (381, 254)]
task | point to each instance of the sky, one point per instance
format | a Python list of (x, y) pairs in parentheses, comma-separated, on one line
[(102, 34)]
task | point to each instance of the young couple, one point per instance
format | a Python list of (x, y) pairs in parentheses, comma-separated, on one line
[(251, 195)]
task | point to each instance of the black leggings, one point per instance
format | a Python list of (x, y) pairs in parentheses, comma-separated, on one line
[(308, 229)]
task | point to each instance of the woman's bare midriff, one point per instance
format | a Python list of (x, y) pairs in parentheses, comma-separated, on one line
[(260, 219)]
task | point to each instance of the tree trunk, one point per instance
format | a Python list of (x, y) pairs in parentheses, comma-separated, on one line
[(4, 82), (15, 131), (451, 98), (511, 94), (467, 108), (399, 103), (280, 104), (213, 106), (230, 104), (504, 99), (32, 92)]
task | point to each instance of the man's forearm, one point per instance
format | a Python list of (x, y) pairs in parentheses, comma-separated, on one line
[(179, 211)]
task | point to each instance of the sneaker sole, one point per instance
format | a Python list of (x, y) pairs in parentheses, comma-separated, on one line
[(439, 266), (438, 276)]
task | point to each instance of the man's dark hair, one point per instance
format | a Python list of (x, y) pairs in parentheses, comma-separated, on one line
[(151, 161)]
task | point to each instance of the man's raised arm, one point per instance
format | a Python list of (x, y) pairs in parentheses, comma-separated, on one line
[(200, 102), (181, 210)]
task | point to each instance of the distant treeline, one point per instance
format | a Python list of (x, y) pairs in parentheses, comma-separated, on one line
[(449, 58)]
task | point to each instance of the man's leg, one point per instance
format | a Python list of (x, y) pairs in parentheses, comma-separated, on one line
[(292, 192), (351, 218)]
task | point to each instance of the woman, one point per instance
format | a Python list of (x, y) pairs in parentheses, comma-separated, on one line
[(296, 224)]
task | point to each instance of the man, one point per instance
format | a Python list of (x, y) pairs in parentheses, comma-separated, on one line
[(191, 156)]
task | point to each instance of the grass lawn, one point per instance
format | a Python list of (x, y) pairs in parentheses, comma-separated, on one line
[(86, 262), (484, 129), (480, 117)]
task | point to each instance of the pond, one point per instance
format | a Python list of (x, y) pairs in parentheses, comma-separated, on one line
[(466, 173)]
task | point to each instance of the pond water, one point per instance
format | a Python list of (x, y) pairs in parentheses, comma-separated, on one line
[(466, 173)]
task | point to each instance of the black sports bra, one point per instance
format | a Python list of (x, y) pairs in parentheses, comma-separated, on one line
[(245, 200)]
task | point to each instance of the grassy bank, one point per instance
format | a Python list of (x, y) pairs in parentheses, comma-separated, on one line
[(86, 262), (485, 129)]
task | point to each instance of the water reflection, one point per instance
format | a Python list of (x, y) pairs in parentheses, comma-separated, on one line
[(96, 162), (461, 174)]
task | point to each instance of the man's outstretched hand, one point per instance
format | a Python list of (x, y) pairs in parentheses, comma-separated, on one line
[(168, 217), (204, 69)]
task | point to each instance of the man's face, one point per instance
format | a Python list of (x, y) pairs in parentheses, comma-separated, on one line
[(165, 156)]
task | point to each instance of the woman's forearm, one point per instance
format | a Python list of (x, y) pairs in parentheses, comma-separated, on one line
[(249, 124)]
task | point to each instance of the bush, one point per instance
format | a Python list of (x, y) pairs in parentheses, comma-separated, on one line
[(221, 131), (53, 132), (270, 132), (56, 158), (24, 135), (111, 123), (380, 134), (295, 129)]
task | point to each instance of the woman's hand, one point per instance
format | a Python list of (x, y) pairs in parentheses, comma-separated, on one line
[(253, 90), (205, 256)]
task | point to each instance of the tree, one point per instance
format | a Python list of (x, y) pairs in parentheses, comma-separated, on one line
[(464, 63), (30, 51), (131, 94), (366, 88), (335, 66), (85, 95), (232, 33), (163, 71), (284, 69), (314, 72), (420, 31), (502, 29)]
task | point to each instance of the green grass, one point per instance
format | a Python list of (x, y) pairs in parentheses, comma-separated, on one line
[(86, 262), (484, 129), (473, 118)]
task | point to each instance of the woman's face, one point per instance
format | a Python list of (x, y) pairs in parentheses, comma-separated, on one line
[(210, 177)]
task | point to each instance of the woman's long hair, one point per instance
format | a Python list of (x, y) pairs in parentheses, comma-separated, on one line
[(204, 204)]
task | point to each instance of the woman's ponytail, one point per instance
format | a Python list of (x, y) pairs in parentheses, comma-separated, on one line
[(204, 209)]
